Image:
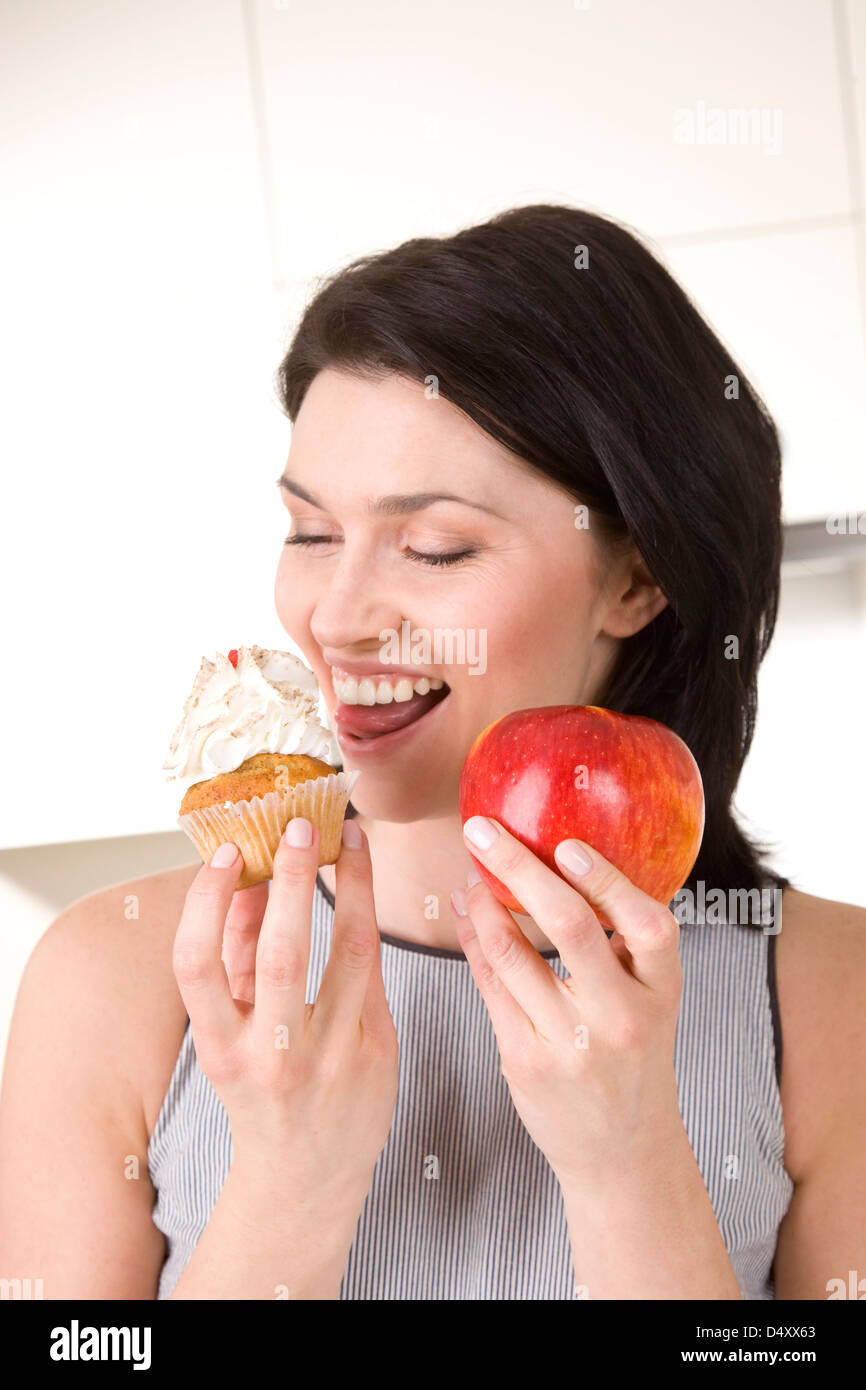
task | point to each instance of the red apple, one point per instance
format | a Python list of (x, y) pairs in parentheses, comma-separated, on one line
[(626, 785)]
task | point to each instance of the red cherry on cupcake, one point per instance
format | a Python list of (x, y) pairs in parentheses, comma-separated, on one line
[(233, 657)]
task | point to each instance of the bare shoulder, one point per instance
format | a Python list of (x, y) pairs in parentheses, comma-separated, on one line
[(94, 1036), (124, 936), (821, 979)]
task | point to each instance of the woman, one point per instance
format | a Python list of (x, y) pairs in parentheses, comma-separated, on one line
[(527, 433)]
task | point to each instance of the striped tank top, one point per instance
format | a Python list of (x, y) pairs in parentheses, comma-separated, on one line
[(463, 1204)]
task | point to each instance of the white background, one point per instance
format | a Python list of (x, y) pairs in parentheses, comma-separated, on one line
[(177, 174)]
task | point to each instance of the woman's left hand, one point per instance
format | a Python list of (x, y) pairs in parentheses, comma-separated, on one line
[(588, 1060)]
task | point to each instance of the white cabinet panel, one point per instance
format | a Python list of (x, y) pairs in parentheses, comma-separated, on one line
[(787, 309), (802, 785), (129, 149), (387, 121), (855, 23), (855, 101)]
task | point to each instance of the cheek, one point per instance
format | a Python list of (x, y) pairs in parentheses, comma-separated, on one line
[(288, 584), (292, 602), (542, 622)]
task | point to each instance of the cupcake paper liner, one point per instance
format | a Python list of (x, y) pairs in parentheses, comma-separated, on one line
[(257, 824)]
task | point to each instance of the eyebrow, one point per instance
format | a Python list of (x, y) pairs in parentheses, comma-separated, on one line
[(394, 503)]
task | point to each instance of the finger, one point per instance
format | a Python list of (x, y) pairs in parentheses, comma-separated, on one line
[(240, 939), (561, 913), (351, 991), (196, 962), (649, 930), (376, 1013), (529, 980), (510, 1023), (283, 949)]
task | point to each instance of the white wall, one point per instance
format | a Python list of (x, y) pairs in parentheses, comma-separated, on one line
[(177, 173), (802, 784)]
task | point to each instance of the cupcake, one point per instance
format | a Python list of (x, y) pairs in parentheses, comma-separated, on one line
[(251, 744)]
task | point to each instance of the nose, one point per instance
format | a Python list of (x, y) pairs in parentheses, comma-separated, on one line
[(355, 605)]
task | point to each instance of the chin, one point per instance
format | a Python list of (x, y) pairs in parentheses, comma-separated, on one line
[(402, 805)]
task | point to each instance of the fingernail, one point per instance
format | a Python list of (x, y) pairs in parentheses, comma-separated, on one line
[(352, 837), (299, 833), (472, 877), (570, 855), (458, 902), (224, 856), (480, 831)]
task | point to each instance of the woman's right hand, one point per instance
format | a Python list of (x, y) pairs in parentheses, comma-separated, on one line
[(309, 1089)]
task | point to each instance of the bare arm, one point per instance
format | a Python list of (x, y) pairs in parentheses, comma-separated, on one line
[(259, 1244), (75, 1195), (821, 1250)]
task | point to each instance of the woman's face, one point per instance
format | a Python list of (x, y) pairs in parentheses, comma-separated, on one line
[(524, 608)]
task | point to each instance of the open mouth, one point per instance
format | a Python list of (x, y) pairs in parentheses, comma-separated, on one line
[(365, 723)]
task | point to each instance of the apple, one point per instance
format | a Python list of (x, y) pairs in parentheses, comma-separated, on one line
[(626, 785)]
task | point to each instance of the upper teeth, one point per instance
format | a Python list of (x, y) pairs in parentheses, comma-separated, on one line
[(380, 690)]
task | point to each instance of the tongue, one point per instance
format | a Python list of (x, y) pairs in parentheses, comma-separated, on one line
[(366, 721)]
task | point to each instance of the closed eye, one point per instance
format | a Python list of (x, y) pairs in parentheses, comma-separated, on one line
[(451, 558)]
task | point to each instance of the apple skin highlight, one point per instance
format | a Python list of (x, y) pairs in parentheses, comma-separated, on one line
[(626, 785)]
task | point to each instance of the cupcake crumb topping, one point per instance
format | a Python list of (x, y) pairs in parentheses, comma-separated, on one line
[(267, 703)]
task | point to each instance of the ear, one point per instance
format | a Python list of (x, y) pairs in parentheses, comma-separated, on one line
[(634, 597)]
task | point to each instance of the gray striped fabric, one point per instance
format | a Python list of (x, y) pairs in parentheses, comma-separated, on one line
[(463, 1204)]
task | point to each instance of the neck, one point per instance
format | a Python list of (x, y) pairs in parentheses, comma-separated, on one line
[(416, 866)]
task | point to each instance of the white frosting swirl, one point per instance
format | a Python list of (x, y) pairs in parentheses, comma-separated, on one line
[(268, 705)]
